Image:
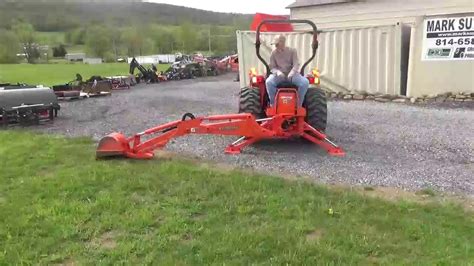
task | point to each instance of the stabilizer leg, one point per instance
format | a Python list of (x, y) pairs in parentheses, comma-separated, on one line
[(321, 140), (237, 146)]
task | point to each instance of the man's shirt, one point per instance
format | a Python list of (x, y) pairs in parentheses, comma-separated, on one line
[(285, 60)]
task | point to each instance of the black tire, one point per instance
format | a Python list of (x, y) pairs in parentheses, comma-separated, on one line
[(250, 102), (315, 103)]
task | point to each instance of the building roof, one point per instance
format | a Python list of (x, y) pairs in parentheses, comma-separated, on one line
[(304, 3)]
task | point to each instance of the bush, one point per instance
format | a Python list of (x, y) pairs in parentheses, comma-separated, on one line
[(98, 41), (59, 51), (9, 47), (76, 36), (109, 57)]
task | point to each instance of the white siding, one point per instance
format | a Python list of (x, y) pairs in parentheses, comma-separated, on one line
[(365, 59), (92, 61), (154, 59), (435, 77), (378, 12)]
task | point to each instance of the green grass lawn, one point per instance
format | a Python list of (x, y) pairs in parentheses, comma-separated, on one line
[(61, 73), (59, 205)]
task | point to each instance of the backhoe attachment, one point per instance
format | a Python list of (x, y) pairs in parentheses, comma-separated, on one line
[(250, 130)]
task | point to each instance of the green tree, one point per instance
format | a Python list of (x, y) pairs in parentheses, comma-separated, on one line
[(76, 36), (133, 40), (188, 37), (9, 47), (148, 46), (27, 36), (59, 51), (98, 41)]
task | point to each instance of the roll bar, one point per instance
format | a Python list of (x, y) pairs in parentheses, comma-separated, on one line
[(314, 45)]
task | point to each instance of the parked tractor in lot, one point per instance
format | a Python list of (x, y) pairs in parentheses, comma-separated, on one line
[(187, 68), (257, 119)]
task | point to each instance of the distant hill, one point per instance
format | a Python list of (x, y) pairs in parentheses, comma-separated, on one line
[(64, 15)]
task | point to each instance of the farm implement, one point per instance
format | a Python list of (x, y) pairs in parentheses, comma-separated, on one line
[(26, 105), (256, 121)]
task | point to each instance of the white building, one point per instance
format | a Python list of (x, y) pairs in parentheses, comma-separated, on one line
[(92, 60), (405, 37), (75, 57)]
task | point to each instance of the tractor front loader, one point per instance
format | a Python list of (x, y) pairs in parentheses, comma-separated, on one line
[(257, 119)]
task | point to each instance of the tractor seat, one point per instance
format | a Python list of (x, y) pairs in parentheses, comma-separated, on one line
[(287, 84)]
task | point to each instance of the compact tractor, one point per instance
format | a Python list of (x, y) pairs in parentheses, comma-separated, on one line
[(257, 120)]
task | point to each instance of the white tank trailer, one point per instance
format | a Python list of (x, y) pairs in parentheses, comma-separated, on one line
[(27, 105)]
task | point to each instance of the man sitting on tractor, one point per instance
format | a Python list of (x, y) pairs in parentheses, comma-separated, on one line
[(284, 65)]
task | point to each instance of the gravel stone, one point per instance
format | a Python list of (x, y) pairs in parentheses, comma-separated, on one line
[(400, 101), (358, 97), (441, 99), (403, 146), (382, 100), (347, 97)]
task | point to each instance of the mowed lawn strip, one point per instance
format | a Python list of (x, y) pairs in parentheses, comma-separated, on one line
[(59, 205), (60, 73)]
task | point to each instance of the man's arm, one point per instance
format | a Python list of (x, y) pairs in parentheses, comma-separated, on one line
[(273, 65), (295, 62)]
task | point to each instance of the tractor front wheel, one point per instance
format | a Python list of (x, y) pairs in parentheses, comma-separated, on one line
[(250, 102), (316, 108)]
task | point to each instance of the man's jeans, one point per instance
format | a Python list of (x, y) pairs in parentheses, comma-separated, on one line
[(301, 82)]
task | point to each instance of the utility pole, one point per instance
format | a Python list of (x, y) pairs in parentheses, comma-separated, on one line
[(115, 49), (210, 48)]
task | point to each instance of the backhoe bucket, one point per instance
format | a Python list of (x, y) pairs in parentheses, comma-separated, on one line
[(113, 145)]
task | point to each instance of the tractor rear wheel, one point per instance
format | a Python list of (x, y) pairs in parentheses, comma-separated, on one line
[(250, 102), (316, 108)]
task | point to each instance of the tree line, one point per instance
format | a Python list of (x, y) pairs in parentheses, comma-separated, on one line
[(111, 29), (66, 15), (111, 43)]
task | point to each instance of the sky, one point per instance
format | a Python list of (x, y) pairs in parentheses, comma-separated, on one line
[(274, 7)]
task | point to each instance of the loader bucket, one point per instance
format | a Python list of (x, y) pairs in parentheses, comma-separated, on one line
[(113, 145), (116, 145)]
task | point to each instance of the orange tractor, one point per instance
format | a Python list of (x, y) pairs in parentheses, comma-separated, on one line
[(256, 120)]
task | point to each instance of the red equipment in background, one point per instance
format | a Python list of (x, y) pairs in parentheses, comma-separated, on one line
[(280, 27), (228, 63)]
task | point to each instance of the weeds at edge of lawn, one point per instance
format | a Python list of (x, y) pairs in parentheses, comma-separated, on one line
[(61, 205)]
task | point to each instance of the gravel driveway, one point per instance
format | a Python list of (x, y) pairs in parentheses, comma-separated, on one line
[(393, 145)]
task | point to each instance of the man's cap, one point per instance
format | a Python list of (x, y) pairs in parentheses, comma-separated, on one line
[(279, 38)]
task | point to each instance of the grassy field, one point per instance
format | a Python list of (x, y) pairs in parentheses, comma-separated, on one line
[(53, 74), (50, 38), (59, 205)]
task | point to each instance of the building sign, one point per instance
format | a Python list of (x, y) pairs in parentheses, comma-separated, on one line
[(448, 38)]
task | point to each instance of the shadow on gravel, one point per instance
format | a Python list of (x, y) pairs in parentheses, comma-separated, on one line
[(450, 105), (289, 146)]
